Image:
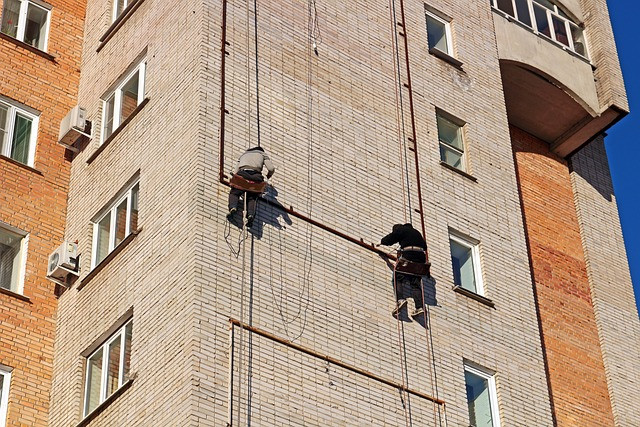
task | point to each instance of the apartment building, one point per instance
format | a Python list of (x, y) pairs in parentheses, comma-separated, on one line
[(481, 123), (40, 52)]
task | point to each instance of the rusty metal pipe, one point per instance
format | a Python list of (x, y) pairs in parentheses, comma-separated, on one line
[(334, 361)]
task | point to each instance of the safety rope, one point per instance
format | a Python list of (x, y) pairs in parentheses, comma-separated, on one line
[(400, 120), (242, 289), (404, 395)]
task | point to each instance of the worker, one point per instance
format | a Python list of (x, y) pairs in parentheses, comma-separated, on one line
[(249, 167), (412, 248)]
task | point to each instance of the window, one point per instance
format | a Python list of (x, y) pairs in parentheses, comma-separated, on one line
[(439, 33), (18, 132), (119, 104), (119, 6), (5, 382), (115, 224), (546, 18), (451, 140), (12, 256), (107, 368), (482, 399), (465, 261), (27, 21)]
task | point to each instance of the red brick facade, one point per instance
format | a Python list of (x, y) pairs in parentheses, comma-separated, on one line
[(33, 200), (569, 334)]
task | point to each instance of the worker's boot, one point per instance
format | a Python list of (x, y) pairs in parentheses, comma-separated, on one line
[(417, 312), (231, 213), (399, 304)]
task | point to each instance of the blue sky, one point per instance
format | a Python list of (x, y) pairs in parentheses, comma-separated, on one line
[(622, 143)]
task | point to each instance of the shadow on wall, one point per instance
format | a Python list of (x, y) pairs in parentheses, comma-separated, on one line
[(589, 162), (266, 214), (592, 165)]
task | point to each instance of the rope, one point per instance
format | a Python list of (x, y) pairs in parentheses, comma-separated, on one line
[(400, 120), (241, 356), (255, 34), (227, 234), (432, 362), (401, 347)]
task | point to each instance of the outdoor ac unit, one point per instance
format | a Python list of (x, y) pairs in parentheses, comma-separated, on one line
[(63, 262), (72, 127)]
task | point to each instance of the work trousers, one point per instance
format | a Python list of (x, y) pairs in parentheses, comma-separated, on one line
[(407, 285), (234, 195)]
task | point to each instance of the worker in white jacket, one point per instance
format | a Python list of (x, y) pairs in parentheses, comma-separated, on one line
[(249, 167)]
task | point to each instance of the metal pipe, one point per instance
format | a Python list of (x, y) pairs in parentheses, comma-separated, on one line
[(290, 210), (334, 361)]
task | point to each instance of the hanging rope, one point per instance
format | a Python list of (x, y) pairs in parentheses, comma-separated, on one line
[(400, 120), (242, 289), (404, 396)]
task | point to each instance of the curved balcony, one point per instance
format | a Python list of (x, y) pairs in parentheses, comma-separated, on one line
[(548, 80)]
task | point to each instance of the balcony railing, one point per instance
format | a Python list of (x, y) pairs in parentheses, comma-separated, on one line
[(547, 20)]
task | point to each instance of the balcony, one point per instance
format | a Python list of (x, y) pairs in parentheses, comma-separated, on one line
[(548, 79)]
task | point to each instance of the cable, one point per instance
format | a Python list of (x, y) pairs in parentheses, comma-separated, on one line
[(401, 353), (400, 120)]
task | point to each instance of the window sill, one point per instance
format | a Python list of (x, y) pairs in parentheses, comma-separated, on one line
[(15, 295), (22, 165), (446, 57), (115, 133), (100, 408), (119, 22), (466, 292), (98, 268), (28, 47), (463, 173)]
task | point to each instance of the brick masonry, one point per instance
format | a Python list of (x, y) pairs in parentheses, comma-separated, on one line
[(611, 289), (576, 372), (34, 200), (331, 126)]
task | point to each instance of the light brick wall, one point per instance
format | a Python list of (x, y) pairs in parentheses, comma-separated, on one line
[(608, 271), (335, 297), (603, 52), (34, 201), (338, 150), (155, 273)]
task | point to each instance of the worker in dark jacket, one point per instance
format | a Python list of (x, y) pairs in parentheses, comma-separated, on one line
[(412, 248), (249, 167)]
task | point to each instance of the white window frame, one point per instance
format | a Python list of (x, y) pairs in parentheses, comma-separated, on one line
[(115, 14), (557, 13), (447, 29), (24, 246), (117, 93), (13, 110), (126, 195), (5, 372), (461, 129), (118, 335), (22, 21), (491, 384), (474, 245)]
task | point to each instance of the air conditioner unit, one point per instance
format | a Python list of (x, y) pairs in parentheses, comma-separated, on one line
[(72, 127), (63, 262)]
